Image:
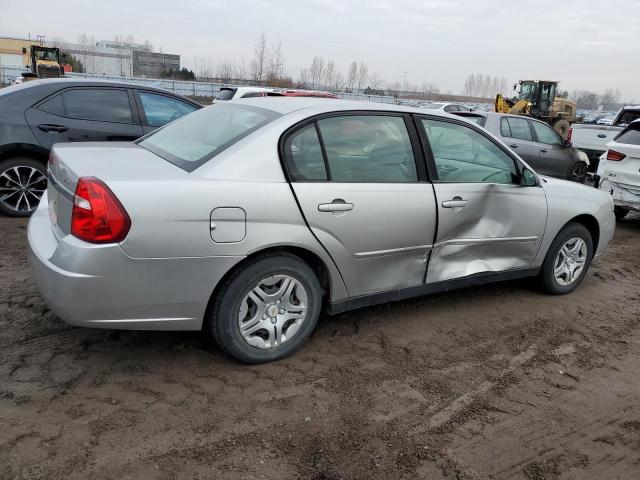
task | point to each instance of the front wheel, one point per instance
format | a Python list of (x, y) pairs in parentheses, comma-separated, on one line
[(579, 172), (568, 260), (23, 181), (266, 309)]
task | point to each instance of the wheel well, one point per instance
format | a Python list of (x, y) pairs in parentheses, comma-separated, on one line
[(310, 258), (591, 224), (24, 150)]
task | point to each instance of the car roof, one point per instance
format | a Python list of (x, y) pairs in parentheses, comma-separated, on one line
[(286, 105), (82, 82)]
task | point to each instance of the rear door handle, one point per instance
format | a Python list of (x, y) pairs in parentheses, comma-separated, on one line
[(455, 202), (543, 150), (338, 205), (45, 127), (513, 145)]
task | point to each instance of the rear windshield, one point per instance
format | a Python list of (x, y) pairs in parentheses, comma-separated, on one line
[(630, 136), (433, 106), (198, 137), (226, 94), (628, 116), (479, 119)]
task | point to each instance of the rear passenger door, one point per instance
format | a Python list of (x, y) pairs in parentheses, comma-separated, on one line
[(85, 114), (364, 194), (553, 158), (157, 109), (516, 132)]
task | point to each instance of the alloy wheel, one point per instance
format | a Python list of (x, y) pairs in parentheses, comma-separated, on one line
[(570, 261), (579, 172), (273, 311), (21, 188)]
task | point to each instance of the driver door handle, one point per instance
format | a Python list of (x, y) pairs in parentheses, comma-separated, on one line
[(543, 150), (455, 202), (46, 127), (338, 205), (513, 145)]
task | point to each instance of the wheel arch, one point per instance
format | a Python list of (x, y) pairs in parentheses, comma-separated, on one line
[(591, 224), (12, 150), (310, 258)]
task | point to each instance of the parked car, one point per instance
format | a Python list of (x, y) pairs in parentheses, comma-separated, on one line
[(307, 93), (39, 113), (447, 107), (234, 93), (619, 170), (593, 139), (249, 217), (536, 143)]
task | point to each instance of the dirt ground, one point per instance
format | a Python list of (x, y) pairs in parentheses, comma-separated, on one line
[(499, 381)]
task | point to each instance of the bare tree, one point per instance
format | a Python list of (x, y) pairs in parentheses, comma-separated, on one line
[(329, 74), (87, 45), (259, 62), (275, 65), (303, 79), (375, 81), (363, 73), (226, 70), (352, 76), (316, 71)]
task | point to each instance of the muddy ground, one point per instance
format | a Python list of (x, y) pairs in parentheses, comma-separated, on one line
[(499, 381)]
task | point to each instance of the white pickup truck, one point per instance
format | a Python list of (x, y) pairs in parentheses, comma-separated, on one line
[(593, 139)]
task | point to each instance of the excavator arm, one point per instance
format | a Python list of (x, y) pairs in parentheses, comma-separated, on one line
[(504, 105)]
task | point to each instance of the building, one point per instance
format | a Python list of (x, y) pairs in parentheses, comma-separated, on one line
[(152, 64), (11, 54)]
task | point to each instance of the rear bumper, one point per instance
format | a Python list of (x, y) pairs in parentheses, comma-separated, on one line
[(625, 196), (100, 286)]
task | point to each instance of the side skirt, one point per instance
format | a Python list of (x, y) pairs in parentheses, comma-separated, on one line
[(428, 289)]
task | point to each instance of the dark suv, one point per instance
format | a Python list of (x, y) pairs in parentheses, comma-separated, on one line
[(37, 114)]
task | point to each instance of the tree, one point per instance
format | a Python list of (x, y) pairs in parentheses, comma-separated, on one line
[(259, 62), (316, 71), (352, 76), (275, 65), (182, 74), (363, 73)]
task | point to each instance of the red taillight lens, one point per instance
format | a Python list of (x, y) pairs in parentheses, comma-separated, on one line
[(614, 156), (98, 216), (570, 134)]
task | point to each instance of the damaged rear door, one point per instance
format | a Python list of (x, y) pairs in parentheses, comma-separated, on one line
[(365, 197), (487, 221)]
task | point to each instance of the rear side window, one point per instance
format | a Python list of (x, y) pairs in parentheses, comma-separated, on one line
[(368, 149), (195, 139), (104, 105), (628, 116), (226, 94), (161, 109), (630, 136), (546, 134), (254, 94), (515, 128), (53, 105)]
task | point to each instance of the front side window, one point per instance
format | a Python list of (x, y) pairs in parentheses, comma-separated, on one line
[(515, 128), (160, 109), (462, 155), (194, 139), (368, 148), (100, 104), (546, 134)]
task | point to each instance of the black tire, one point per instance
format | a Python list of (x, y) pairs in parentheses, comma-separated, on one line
[(547, 278), (579, 172), (23, 164), (620, 212), (223, 317)]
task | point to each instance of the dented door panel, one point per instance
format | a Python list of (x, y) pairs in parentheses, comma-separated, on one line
[(499, 228)]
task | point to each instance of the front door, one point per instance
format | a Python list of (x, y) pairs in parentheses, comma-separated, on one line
[(554, 158), (487, 221), (516, 132), (84, 115), (365, 198)]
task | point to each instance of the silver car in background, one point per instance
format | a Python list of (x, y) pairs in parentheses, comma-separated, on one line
[(247, 218)]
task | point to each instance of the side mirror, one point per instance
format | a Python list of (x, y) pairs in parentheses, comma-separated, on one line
[(567, 144), (528, 178)]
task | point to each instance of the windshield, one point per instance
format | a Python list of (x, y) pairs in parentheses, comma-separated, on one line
[(198, 137), (49, 55), (527, 91)]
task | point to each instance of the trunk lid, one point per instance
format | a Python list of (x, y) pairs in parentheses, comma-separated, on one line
[(624, 172), (107, 161)]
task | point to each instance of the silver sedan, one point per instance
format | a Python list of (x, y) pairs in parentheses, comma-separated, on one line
[(249, 218)]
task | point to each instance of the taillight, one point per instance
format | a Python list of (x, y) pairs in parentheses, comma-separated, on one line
[(614, 156), (98, 216), (570, 134)]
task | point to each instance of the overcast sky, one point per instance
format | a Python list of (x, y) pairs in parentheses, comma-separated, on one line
[(585, 44)]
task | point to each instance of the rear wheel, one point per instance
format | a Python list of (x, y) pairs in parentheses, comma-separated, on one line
[(267, 309), (567, 260), (620, 212), (23, 181)]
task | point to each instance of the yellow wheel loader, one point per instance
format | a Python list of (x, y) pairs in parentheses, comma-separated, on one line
[(537, 99)]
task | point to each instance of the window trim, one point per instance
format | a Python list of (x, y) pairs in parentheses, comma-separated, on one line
[(416, 147), (140, 106), (528, 120), (431, 164)]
